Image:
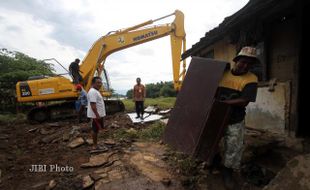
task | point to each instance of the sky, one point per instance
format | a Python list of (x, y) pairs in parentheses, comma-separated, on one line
[(65, 30)]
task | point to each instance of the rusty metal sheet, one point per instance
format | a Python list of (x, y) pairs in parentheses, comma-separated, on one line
[(212, 132), (187, 123)]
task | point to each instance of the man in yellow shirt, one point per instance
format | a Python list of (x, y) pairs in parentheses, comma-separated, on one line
[(237, 88)]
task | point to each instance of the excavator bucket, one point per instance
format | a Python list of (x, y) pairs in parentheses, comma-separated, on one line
[(197, 121)]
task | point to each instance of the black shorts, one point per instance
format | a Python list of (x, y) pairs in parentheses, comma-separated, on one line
[(97, 124)]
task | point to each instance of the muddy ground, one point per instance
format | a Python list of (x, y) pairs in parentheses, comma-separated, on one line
[(135, 158)]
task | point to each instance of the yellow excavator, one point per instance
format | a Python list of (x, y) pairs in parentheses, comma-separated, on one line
[(59, 88)]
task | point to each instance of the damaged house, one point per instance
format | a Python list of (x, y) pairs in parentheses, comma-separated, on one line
[(278, 30)]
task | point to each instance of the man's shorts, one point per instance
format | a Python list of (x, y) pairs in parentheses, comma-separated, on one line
[(97, 124)]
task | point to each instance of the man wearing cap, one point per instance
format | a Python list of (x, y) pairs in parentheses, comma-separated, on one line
[(74, 69), (81, 102), (237, 88)]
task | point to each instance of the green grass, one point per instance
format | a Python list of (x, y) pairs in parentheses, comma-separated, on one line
[(125, 134), (153, 132), (162, 102), (12, 118)]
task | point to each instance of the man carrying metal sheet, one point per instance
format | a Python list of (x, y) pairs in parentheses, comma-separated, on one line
[(237, 88)]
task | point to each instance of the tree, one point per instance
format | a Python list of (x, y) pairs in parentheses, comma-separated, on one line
[(155, 90), (129, 94), (16, 66)]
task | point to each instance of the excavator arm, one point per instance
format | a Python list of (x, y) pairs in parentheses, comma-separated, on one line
[(141, 33)]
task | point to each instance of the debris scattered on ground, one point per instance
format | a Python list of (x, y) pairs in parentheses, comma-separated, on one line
[(76, 142), (87, 182), (151, 109), (51, 185), (164, 111), (135, 158), (146, 118)]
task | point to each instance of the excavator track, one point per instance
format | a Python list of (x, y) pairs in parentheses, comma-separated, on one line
[(67, 109)]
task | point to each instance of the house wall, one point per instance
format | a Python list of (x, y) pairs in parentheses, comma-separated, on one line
[(271, 110), (283, 61), (223, 50)]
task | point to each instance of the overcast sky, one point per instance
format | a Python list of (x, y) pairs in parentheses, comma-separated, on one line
[(65, 30)]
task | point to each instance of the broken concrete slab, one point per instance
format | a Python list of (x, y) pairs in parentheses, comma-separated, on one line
[(51, 137), (115, 175), (40, 185), (51, 185), (164, 111), (101, 184), (109, 142), (295, 175), (164, 121), (33, 130), (147, 118), (101, 150), (87, 182), (89, 141), (75, 130), (151, 109), (44, 131), (56, 124), (95, 176), (76, 142), (97, 160), (150, 167), (65, 137)]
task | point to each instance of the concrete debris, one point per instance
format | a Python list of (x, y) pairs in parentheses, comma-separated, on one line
[(164, 121), (295, 175), (56, 124), (97, 160), (100, 150), (76, 142), (164, 111), (4, 137), (148, 162), (51, 137), (51, 185), (89, 141), (87, 182), (65, 137), (151, 109), (148, 118), (109, 142), (100, 184), (114, 125), (95, 176), (43, 131), (40, 185), (32, 130), (75, 130)]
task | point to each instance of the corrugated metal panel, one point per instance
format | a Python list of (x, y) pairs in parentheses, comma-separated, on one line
[(188, 125)]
